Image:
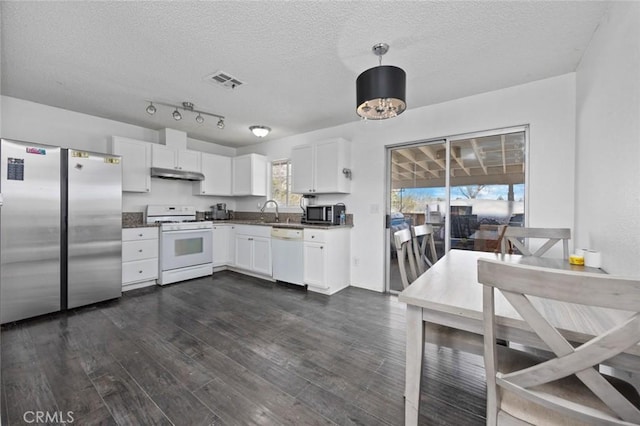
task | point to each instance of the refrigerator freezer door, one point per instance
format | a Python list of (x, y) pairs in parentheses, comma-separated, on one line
[(94, 221), (30, 227)]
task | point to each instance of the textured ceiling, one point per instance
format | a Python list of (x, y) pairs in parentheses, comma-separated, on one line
[(299, 60)]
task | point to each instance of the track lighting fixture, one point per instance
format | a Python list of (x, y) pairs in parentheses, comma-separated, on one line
[(260, 131), (186, 106), (151, 109)]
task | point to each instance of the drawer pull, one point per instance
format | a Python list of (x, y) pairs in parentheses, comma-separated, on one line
[(139, 272), (140, 235), (140, 251)]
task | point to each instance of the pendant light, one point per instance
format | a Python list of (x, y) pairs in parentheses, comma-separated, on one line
[(380, 91)]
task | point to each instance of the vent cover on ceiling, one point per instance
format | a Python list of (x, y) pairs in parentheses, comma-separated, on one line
[(224, 79)]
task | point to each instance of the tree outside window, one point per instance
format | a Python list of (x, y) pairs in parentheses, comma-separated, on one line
[(281, 184)]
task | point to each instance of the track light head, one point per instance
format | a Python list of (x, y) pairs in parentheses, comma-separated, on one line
[(199, 119), (221, 124), (151, 109), (176, 115)]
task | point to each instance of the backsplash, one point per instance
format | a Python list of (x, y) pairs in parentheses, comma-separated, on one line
[(270, 217), (132, 219)]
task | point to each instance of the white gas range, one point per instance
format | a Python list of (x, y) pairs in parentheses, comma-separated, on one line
[(185, 244)]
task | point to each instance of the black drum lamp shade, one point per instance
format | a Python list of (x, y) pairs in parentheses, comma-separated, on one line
[(380, 92)]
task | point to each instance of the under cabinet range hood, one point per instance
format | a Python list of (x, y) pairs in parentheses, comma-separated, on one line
[(176, 174)]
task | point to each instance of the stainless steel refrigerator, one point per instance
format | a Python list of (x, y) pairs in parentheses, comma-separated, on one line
[(60, 229)]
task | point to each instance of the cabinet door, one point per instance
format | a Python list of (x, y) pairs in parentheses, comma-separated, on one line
[(326, 171), (231, 250), (242, 175), (244, 252), (258, 175), (314, 265), (217, 175), (220, 245), (163, 157), (302, 169), (136, 161), (188, 160), (262, 255)]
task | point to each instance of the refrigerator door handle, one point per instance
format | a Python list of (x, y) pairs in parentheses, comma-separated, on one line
[(1, 200)]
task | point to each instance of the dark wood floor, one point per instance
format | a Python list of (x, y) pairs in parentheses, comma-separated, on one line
[(232, 350)]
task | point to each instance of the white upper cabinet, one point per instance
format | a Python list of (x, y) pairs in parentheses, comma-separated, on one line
[(319, 168), (217, 175), (302, 173), (136, 161), (250, 175), (165, 157)]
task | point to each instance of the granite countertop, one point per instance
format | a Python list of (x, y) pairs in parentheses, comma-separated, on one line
[(291, 225), (139, 225)]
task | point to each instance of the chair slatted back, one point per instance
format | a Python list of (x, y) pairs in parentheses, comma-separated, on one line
[(424, 259), (515, 236), (517, 283), (404, 249)]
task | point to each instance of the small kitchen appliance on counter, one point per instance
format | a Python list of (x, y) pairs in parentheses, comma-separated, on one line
[(324, 215), (186, 247), (219, 212)]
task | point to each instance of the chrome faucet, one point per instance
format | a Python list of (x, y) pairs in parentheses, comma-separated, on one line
[(265, 205)]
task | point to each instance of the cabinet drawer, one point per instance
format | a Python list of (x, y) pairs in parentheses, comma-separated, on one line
[(315, 235), (140, 270), (133, 234), (138, 250)]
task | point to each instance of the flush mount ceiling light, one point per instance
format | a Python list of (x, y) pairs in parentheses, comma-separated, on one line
[(186, 106), (380, 91), (260, 131)]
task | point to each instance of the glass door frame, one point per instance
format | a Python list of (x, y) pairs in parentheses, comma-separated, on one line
[(447, 143)]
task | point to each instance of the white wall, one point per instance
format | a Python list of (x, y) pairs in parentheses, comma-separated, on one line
[(608, 141), (548, 106), (29, 121)]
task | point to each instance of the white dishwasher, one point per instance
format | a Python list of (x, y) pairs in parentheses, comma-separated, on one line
[(287, 252)]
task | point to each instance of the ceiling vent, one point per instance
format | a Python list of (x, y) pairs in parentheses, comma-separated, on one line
[(224, 79)]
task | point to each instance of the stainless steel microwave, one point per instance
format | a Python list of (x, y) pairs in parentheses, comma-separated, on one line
[(324, 215)]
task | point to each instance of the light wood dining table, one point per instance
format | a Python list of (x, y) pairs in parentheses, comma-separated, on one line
[(448, 294)]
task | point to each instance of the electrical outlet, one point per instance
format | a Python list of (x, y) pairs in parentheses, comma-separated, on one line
[(259, 205)]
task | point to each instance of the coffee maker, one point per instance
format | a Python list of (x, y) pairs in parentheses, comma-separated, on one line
[(219, 211)]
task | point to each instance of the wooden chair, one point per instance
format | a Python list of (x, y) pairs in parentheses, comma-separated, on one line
[(568, 388), (404, 249), (420, 247), (514, 236)]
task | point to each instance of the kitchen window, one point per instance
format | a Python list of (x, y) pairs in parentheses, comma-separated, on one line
[(281, 184)]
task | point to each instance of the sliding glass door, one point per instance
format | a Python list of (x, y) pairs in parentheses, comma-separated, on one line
[(464, 186)]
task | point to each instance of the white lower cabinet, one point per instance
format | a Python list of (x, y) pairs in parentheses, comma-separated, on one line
[(326, 259), (223, 245), (253, 249), (139, 257)]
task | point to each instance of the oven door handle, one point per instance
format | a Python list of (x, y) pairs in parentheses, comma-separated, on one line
[(187, 231)]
